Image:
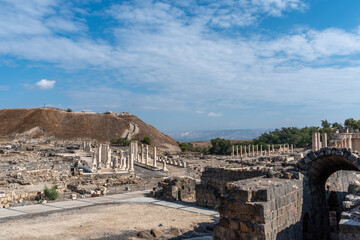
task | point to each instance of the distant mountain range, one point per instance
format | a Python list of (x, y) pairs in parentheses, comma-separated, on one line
[(207, 135)]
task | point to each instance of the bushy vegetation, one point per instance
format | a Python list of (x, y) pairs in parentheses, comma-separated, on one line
[(120, 141), (146, 140), (51, 193), (69, 110), (189, 147), (300, 137), (220, 146)]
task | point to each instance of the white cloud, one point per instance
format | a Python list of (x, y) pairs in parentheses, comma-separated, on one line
[(45, 84), (4, 88), (212, 114), (176, 57)]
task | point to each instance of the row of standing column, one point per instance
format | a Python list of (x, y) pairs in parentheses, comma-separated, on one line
[(344, 143), (317, 144), (253, 151), (144, 156), (102, 158)]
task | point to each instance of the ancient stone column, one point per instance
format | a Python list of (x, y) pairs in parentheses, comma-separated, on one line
[(324, 140), (257, 150), (131, 164), (237, 150), (232, 151), (121, 160), (245, 153), (273, 149), (318, 141), (136, 151), (108, 156), (99, 156), (314, 142), (241, 151), (142, 154), (349, 142), (253, 150), (93, 159), (292, 148), (155, 157), (269, 149), (164, 165), (261, 151), (147, 155), (249, 151)]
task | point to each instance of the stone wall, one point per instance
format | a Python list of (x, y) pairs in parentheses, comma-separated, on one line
[(175, 189), (275, 208), (349, 229), (261, 208), (8, 199), (213, 181)]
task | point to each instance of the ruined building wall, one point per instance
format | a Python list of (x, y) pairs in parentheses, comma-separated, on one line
[(261, 209), (213, 181), (349, 229), (271, 208)]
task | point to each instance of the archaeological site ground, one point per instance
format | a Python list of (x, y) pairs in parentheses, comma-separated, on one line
[(84, 175)]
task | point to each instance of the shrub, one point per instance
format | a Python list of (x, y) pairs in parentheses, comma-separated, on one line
[(146, 140), (51, 193), (69, 110)]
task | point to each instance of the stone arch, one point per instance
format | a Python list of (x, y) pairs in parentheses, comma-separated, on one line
[(317, 168)]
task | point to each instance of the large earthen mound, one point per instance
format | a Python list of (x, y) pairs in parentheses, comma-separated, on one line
[(52, 122)]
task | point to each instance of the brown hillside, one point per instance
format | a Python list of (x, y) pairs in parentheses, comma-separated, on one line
[(51, 122)]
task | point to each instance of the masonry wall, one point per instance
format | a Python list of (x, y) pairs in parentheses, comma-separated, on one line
[(349, 229), (213, 181), (261, 208), (274, 208)]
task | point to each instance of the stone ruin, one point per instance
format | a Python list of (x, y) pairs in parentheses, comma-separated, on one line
[(175, 189), (124, 159), (294, 205), (214, 180)]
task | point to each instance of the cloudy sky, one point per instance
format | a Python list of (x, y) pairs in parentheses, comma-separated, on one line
[(185, 65)]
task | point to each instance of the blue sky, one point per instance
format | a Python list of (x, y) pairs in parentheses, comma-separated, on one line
[(185, 65)]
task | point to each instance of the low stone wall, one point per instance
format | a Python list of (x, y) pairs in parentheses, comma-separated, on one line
[(213, 182), (8, 199), (349, 229), (175, 189), (59, 165), (261, 209)]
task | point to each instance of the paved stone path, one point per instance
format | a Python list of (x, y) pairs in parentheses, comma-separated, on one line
[(138, 197)]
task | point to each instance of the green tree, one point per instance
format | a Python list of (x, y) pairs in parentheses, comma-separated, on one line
[(336, 125), (220, 146), (69, 110), (146, 140), (325, 123), (351, 123)]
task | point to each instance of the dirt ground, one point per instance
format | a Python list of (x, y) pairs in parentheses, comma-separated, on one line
[(121, 221)]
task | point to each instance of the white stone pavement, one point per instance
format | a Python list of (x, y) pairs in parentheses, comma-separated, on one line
[(136, 197)]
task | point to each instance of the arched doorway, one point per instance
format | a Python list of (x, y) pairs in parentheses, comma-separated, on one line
[(319, 166)]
